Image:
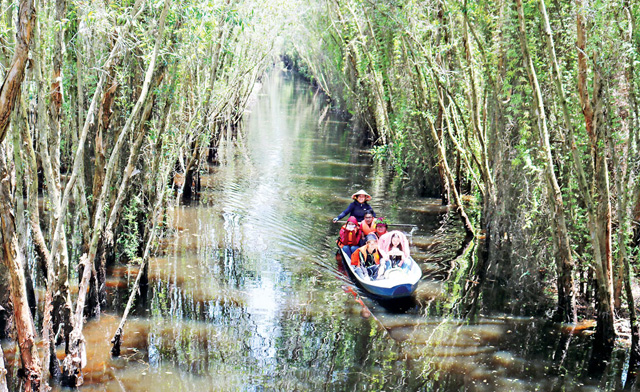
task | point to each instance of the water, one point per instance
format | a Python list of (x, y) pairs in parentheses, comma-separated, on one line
[(247, 293)]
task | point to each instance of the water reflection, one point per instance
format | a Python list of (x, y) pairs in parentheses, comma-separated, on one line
[(248, 295)]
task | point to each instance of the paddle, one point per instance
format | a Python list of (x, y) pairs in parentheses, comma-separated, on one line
[(411, 228), (402, 224), (390, 224)]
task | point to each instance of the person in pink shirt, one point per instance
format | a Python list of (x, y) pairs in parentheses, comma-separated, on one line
[(394, 249)]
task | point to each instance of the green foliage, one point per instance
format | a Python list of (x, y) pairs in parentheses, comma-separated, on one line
[(130, 237)]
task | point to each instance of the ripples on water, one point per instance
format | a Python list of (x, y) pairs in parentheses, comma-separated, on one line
[(248, 294)]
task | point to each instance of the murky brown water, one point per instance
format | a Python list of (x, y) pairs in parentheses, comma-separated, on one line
[(248, 295)]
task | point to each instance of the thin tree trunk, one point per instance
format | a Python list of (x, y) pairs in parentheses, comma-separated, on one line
[(115, 54), (14, 261), (131, 164), (421, 88), (13, 257), (17, 174), (80, 191), (3, 373), (104, 118), (98, 298), (32, 190), (629, 187), (15, 74), (73, 362), (468, 227), (564, 263), (74, 359), (444, 183), (116, 341), (117, 206), (620, 159), (607, 315), (599, 208), (601, 178), (42, 251), (56, 283), (474, 107), (56, 92)]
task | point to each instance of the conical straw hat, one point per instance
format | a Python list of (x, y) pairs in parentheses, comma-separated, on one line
[(361, 192)]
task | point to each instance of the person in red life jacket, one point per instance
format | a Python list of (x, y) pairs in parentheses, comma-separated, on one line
[(366, 259), (381, 228), (349, 238), (368, 225), (358, 208)]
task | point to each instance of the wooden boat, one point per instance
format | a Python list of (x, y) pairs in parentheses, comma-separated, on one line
[(397, 283)]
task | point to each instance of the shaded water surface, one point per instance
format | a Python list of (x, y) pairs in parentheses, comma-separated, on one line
[(248, 295)]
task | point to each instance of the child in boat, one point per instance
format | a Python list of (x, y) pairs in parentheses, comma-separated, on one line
[(358, 208), (349, 239), (394, 249), (366, 259)]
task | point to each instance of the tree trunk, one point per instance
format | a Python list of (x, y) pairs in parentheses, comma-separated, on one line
[(3, 373), (32, 190), (468, 227), (75, 358), (131, 164), (80, 193), (621, 159), (15, 74), (6, 308), (564, 263), (56, 91), (13, 257), (444, 182), (142, 272), (104, 119), (42, 251), (599, 230), (472, 99), (108, 244), (14, 261), (603, 211), (17, 175), (57, 296), (605, 315)]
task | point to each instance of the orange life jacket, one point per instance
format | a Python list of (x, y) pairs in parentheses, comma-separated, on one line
[(360, 256), (366, 229)]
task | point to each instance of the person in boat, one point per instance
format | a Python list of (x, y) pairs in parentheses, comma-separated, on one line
[(349, 238), (368, 224), (394, 248), (366, 259), (381, 228), (358, 208)]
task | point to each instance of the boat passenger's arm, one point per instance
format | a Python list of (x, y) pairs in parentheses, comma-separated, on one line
[(383, 262), (345, 212)]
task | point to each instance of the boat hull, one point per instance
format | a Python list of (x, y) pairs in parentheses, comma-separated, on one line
[(402, 286)]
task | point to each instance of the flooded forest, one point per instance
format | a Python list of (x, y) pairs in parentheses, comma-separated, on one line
[(171, 174)]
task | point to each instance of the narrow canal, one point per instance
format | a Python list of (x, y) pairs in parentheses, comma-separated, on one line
[(247, 293)]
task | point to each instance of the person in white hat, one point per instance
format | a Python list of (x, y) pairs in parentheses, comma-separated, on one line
[(358, 208)]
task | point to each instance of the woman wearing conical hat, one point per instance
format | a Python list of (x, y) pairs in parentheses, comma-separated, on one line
[(358, 208)]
